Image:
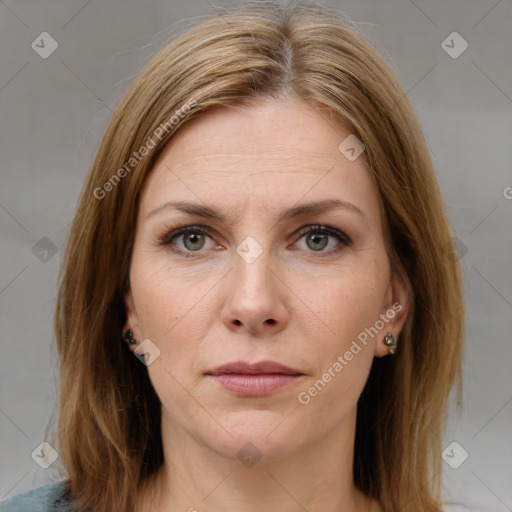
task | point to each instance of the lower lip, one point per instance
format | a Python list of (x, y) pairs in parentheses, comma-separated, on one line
[(254, 385)]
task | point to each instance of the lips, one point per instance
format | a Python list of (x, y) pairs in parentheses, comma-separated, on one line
[(261, 368), (245, 379)]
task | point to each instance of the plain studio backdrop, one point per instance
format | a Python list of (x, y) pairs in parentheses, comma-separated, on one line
[(453, 58)]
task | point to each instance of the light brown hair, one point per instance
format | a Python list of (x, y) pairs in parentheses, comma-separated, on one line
[(109, 415)]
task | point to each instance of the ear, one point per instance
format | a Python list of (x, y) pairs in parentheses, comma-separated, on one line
[(132, 319), (395, 309)]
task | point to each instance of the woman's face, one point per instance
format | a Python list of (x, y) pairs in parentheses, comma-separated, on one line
[(260, 282)]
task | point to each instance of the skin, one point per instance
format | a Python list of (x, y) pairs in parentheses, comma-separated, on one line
[(300, 303)]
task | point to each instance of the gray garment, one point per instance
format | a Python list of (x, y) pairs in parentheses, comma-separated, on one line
[(51, 497)]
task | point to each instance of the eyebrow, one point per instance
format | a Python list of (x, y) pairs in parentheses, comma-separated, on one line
[(301, 210)]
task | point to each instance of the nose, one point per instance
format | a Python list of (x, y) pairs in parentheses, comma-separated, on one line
[(255, 297)]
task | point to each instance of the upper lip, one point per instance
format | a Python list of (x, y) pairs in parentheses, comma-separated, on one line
[(262, 367)]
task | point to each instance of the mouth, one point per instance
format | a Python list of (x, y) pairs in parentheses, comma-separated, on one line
[(254, 379), (246, 368)]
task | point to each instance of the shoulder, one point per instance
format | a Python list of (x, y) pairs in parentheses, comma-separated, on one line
[(41, 499)]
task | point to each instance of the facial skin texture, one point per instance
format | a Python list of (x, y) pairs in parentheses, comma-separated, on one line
[(299, 303)]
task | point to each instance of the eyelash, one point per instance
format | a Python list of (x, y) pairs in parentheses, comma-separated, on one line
[(166, 238)]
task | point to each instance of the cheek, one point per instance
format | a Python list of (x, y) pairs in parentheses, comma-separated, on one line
[(174, 311), (343, 361), (347, 306), (346, 302), (164, 298)]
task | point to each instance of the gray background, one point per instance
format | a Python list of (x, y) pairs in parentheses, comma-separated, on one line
[(54, 113)]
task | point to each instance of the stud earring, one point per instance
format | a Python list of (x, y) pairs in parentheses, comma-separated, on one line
[(129, 337), (391, 342)]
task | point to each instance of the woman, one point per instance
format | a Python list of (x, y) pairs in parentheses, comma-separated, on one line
[(260, 305)]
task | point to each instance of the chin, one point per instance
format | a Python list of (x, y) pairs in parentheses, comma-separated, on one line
[(252, 449), (257, 434)]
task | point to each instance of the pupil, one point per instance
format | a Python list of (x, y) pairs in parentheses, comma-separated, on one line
[(315, 238), (194, 238)]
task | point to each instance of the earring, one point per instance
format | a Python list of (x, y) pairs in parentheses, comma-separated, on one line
[(391, 342), (129, 337)]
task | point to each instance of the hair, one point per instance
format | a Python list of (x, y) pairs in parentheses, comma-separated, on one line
[(108, 412)]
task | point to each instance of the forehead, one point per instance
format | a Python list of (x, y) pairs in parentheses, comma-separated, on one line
[(273, 152)]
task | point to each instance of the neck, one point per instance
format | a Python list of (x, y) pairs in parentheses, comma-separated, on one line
[(315, 478)]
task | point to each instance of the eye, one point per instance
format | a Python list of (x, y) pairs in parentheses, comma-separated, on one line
[(317, 238), (185, 240), (188, 240)]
